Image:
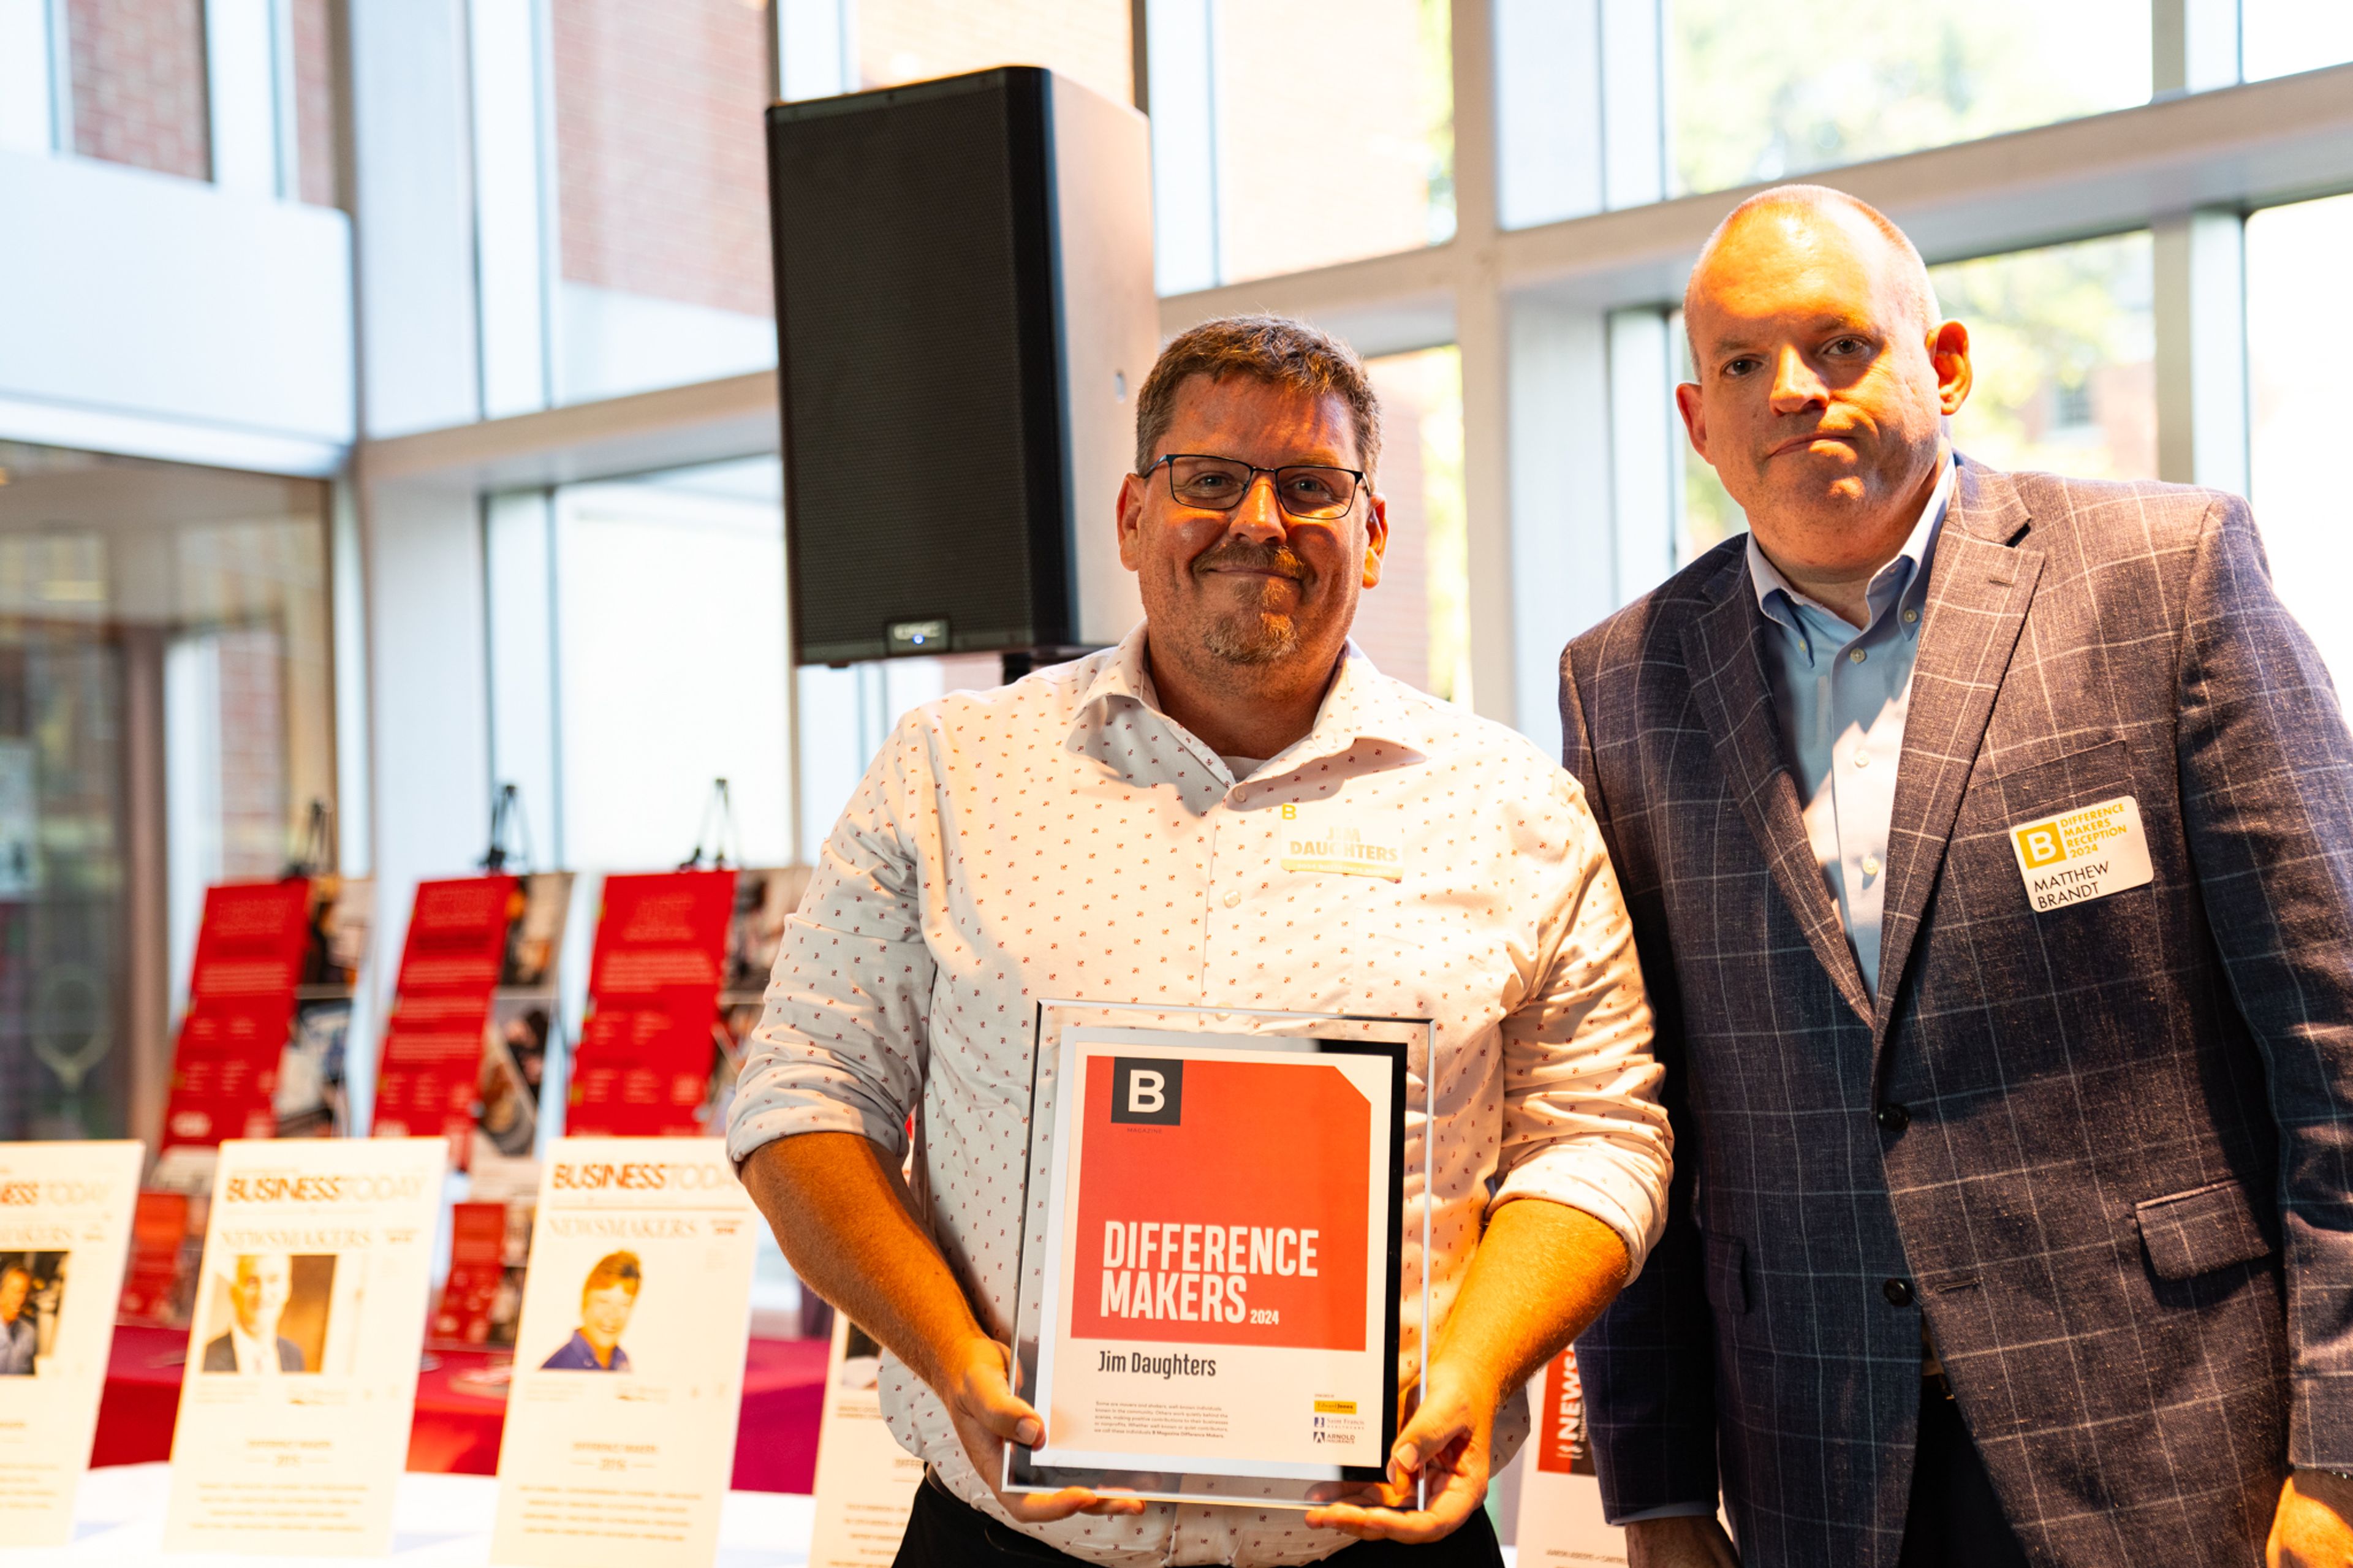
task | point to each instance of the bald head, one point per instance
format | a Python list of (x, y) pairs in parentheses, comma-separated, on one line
[(1822, 380), (1808, 218)]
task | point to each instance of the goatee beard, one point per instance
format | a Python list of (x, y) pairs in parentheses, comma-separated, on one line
[(1254, 636)]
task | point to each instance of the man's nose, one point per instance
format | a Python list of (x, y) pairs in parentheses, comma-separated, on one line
[(1259, 516), (1795, 388)]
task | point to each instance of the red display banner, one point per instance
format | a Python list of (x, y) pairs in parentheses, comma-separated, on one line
[(649, 1040), (250, 950), (477, 1238), (1561, 1444), (441, 1009), (153, 1285)]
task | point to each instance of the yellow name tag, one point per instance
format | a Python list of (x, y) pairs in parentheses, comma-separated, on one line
[(2081, 855), (1338, 847)]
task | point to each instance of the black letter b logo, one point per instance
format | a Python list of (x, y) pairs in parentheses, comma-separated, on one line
[(1147, 1089)]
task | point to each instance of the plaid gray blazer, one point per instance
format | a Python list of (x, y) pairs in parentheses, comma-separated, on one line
[(2105, 1150)]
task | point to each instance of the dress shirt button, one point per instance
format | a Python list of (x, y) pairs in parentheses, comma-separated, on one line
[(1862, 757), (1898, 1292), (1858, 656), (1894, 1119), (1871, 865), (1233, 898), (1911, 617)]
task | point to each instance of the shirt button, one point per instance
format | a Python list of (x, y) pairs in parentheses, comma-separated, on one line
[(1911, 617), (1233, 898), (1871, 865), (1893, 1118), (1858, 656), (1898, 1292), (1862, 758)]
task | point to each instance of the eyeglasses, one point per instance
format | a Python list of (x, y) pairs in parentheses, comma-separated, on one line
[(1219, 484)]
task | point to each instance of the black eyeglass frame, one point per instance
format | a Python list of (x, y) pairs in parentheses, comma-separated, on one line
[(1169, 461)]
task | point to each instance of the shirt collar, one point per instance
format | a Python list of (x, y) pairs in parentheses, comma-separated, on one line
[(1361, 703), (1904, 580), (253, 1352)]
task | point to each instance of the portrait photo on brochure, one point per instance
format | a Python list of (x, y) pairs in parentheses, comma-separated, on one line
[(32, 1296), (608, 1297), (266, 1314)]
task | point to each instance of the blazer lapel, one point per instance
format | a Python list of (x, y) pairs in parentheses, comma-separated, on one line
[(1979, 589), (1728, 672)]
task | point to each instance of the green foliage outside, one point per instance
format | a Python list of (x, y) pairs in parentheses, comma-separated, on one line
[(1764, 93), (2060, 337)]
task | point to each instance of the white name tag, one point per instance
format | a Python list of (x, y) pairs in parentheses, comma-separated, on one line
[(2081, 855), (1318, 842)]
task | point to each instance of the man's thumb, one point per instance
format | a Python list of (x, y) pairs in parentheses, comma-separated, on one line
[(995, 1406)]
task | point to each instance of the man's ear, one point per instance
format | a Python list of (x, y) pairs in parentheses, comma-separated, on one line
[(1130, 522), (1377, 536), (1687, 403), (1948, 350)]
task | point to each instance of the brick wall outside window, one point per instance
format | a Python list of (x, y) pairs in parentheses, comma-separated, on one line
[(315, 103), (661, 168), (255, 815), (139, 84)]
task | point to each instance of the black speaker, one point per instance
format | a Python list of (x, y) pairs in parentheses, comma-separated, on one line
[(965, 313)]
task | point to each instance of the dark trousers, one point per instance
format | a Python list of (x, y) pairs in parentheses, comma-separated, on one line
[(944, 1531), (1955, 1521)]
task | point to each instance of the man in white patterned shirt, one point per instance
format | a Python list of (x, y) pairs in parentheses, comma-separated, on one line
[(1109, 829)]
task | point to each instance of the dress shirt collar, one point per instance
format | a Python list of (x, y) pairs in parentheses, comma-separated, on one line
[(1904, 580), (1359, 704), (254, 1354)]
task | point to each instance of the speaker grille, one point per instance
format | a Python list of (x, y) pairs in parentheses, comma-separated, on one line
[(915, 326)]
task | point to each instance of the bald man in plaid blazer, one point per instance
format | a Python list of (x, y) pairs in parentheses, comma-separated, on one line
[(2010, 1221)]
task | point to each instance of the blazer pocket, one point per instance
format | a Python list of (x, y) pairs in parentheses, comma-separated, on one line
[(2045, 752), (1727, 1275), (2196, 1232)]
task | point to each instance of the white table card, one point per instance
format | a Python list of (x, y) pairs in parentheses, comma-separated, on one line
[(865, 1482), (303, 1353), (1560, 1522), (628, 1372), (64, 1225)]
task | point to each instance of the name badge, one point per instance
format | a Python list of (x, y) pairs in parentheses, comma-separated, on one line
[(1341, 847), (2081, 855)]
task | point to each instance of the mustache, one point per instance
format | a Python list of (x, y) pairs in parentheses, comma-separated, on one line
[(1279, 559)]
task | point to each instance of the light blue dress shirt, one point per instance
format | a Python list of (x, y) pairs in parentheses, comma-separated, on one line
[(1842, 696)]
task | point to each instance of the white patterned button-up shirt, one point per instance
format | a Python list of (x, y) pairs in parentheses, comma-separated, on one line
[(1062, 837)]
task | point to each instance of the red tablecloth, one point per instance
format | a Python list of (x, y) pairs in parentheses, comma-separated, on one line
[(457, 1427)]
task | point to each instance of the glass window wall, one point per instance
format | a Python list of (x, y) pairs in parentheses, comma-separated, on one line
[(1332, 141), (1759, 93), (2279, 37), (910, 40), (672, 663), (166, 722), (662, 194), (1416, 623), (2295, 266)]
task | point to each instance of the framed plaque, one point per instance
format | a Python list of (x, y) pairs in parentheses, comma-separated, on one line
[(1213, 1302)]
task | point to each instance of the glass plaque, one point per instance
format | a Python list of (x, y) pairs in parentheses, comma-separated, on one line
[(1215, 1303)]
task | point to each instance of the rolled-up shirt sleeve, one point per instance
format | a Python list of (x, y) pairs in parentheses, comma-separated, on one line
[(841, 1044), (1582, 1122)]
